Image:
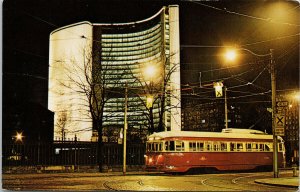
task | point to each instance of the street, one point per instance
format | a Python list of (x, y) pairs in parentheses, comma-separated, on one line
[(140, 181)]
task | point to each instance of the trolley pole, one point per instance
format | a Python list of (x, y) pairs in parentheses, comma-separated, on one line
[(125, 129), (273, 86)]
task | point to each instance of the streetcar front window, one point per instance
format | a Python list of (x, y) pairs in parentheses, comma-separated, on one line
[(154, 146), (280, 147), (267, 147)]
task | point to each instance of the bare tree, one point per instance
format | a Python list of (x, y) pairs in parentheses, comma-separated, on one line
[(61, 124), (159, 90), (90, 79)]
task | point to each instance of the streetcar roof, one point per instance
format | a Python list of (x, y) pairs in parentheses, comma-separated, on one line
[(226, 133)]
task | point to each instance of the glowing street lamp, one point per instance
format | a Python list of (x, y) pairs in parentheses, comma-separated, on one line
[(297, 96), (149, 71), (230, 55), (19, 136)]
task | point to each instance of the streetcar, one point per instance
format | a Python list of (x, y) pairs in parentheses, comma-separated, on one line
[(231, 149)]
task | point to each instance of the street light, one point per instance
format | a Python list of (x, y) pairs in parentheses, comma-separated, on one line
[(149, 71), (19, 136), (230, 54)]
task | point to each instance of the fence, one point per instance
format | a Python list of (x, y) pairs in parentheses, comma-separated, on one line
[(70, 153)]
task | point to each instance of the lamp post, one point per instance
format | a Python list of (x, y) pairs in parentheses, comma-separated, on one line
[(226, 109), (230, 55), (149, 74), (125, 128)]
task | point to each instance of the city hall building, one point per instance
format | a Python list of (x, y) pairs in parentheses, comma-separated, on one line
[(117, 55)]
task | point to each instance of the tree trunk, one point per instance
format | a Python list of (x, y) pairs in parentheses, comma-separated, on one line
[(100, 145), (100, 153), (162, 110)]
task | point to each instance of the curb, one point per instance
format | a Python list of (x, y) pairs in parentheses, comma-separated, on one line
[(275, 184)]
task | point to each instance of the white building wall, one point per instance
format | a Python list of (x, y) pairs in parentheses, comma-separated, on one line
[(66, 57), (175, 62)]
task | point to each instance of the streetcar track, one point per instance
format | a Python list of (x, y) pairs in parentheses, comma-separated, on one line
[(239, 186), (107, 184), (204, 182)]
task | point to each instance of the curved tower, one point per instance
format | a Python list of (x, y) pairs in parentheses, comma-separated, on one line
[(122, 52)]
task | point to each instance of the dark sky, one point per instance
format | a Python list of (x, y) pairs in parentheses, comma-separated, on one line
[(205, 26)]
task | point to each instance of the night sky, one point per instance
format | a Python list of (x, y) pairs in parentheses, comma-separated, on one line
[(205, 26)]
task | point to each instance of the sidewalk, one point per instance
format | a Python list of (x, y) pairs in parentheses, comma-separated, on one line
[(281, 181)]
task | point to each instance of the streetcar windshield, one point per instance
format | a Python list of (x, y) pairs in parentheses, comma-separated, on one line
[(154, 146)]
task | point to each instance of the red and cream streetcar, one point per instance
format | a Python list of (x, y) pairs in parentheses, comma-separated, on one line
[(231, 149)]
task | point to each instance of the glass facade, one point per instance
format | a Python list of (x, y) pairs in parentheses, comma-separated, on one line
[(124, 55)]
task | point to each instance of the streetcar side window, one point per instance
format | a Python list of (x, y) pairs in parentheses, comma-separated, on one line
[(172, 146), (200, 146), (261, 147), (179, 146), (192, 146), (208, 146), (169, 146), (255, 146), (248, 147), (216, 146), (232, 146), (239, 146), (223, 146)]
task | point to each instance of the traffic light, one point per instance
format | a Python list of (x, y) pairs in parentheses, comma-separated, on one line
[(218, 89)]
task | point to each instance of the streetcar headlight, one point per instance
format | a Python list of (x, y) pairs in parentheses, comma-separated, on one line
[(150, 160)]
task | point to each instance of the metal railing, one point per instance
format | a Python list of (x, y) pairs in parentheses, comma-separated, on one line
[(69, 153)]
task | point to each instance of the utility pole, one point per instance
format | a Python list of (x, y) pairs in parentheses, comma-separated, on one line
[(273, 87), (226, 109), (125, 129)]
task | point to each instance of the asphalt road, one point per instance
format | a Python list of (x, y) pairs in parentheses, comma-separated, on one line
[(138, 182)]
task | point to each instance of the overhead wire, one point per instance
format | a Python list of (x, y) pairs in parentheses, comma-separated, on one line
[(204, 46), (269, 20)]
